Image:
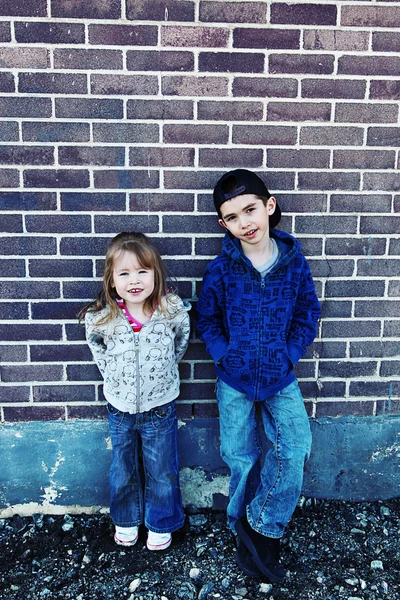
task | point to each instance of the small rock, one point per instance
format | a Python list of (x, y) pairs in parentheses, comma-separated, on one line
[(265, 588), (133, 586), (194, 573), (385, 511), (352, 581), (377, 564), (187, 591), (68, 523), (205, 590)]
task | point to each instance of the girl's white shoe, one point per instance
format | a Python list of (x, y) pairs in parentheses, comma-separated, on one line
[(158, 541), (126, 536)]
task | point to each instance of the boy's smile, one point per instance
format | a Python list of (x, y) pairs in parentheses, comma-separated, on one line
[(247, 218)]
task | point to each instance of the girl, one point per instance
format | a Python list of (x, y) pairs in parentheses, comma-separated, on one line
[(138, 332)]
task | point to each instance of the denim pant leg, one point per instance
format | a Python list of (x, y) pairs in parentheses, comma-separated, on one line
[(240, 448), (126, 496), (163, 510), (286, 424)]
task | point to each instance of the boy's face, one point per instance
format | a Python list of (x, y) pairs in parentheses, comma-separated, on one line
[(247, 218)]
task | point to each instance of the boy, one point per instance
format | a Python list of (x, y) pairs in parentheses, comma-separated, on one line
[(257, 312)]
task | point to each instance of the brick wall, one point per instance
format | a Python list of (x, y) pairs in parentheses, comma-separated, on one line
[(121, 115)]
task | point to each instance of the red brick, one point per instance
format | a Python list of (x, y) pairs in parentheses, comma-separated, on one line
[(336, 39), (231, 62), (333, 88), (195, 134), (24, 58), (265, 87), (303, 14), (230, 157), (298, 111), (88, 59), (233, 12), (366, 113), (199, 37), (265, 135), (23, 8), (384, 90), (369, 65), (86, 9), (129, 85), (320, 64), (161, 157), (370, 16), (123, 35), (230, 111), (272, 39), (180, 85), (160, 10)]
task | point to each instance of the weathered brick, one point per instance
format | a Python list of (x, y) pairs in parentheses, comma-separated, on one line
[(278, 181), (331, 136), (28, 332), (360, 203), (86, 290), (195, 134), (387, 406), (383, 136), (160, 10), (22, 373), (13, 353), (230, 157), (56, 178), (9, 131), (56, 310), (28, 201), (272, 39), (366, 113), (190, 224), (88, 59), (270, 135), (178, 268), (381, 181), (58, 223), (199, 391), (333, 88), (342, 408), (363, 159), (394, 246), (32, 32), (92, 201), (83, 373), (394, 289), (160, 109), (24, 58), (9, 178), (157, 202), (329, 181), (209, 246), (336, 309), (354, 289), (326, 224), (347, 369), (303, 14), (63, 393), (132, 133), (23, 8), (130, 85), (370, 16), (329, 389), (55, 353), (117, 223), (384, 389), (37, 131), (265, 87), (379, 267), (298, 159), (382, 224), (16, 311), (178, 85), (159, 60), (233, 12), (15, 290), (298, 203), (231, 62), (86, 9), (92, 412), (68, 268), (200, 37), (89, 108), (331, 268), (26, 155), (320, 64), (123, 35), (5, 32), (52, 83), (196, 180), (350, 329), (7, 82), (384, 90), (173, 246), (126, 179), (391, 328), (33, 413), (378, 349), (230, 111), (298, 111), (163, 157), (15, 393), (11, 224), (386, 41), (91, 155), (311, 246), (336, 40), (369, 65), (390, 368), (25, 107)]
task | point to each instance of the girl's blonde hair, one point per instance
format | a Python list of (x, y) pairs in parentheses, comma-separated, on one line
[(147, 256)]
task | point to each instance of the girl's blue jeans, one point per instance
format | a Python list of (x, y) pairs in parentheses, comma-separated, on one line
[(145, 491), (268, 493)]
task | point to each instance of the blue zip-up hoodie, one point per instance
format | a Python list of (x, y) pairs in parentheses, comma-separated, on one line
[(256, 329)]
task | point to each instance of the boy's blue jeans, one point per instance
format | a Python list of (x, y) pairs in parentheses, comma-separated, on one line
[(268, 493), (156, 501)]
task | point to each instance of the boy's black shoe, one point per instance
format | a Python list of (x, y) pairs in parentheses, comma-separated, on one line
[(264, 550), (245, 561)]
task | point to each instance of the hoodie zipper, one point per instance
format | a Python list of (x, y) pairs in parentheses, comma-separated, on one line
[(137, 364), (262, 287)]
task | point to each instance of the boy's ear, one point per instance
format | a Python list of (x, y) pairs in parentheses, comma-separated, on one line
[(222, 223), (271, 204)]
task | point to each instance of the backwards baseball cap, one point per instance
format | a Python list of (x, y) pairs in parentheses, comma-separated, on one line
[(239, 182)]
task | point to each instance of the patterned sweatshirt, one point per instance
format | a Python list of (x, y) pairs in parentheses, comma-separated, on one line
[(256, 329), (140, 370)]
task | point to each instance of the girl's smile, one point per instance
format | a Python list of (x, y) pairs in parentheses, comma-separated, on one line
[(133, 282)]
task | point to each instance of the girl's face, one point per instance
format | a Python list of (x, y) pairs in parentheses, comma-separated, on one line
[(133, 283)]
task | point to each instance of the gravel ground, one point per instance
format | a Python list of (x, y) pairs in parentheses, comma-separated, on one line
[(332, 550)]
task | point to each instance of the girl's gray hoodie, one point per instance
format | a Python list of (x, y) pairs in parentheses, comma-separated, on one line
[(140, 370)]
